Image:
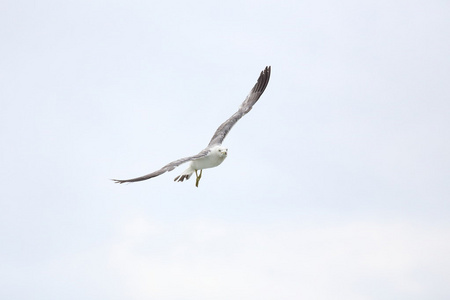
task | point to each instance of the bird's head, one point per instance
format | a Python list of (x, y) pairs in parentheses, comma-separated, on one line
[(222, 151)]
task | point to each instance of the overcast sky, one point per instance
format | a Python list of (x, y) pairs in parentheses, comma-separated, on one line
[(336, 186)]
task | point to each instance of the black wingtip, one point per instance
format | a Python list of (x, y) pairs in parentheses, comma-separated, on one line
[(263, 80), (181, 178)]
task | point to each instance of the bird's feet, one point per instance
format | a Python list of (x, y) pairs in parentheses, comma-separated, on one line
[(199, 176)]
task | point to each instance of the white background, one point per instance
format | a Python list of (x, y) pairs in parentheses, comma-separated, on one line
[(336, 186)]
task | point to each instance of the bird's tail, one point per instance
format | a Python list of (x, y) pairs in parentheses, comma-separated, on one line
[(185, 175)]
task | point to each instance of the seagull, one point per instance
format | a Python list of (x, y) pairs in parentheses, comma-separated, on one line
[(214, 154)]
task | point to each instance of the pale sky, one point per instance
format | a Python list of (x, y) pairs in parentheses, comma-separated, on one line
[(336, 186)]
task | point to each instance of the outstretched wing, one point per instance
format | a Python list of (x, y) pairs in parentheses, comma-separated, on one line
[(246, 106), (167, 168)]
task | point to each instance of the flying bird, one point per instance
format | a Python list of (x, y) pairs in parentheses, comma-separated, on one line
[(214, 154)]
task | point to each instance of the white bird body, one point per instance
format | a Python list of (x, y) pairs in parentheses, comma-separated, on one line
[(214, 158)]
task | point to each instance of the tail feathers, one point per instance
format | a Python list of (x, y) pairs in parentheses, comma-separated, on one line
[(185, 175)]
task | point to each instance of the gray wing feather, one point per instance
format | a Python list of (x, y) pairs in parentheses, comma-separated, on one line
[(245, 107), (167, 168)]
